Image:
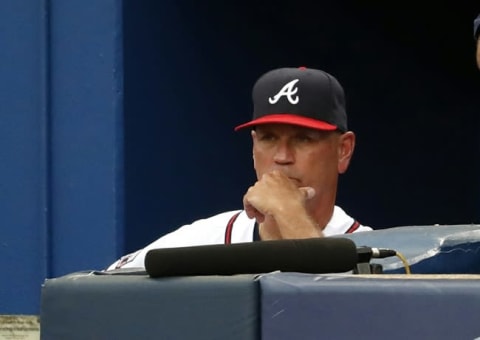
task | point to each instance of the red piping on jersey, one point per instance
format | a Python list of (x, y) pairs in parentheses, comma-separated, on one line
[(353, 227), (228, 230)]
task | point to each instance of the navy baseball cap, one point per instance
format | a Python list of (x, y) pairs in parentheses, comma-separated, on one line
[(298, 96)]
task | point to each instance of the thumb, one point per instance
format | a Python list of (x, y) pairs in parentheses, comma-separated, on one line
[(308, 192)]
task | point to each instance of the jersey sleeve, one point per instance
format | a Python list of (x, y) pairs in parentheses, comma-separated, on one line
[(201, 232)]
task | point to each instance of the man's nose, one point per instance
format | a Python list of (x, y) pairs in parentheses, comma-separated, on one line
[(283, 153)]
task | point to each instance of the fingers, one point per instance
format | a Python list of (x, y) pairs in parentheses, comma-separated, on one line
[(250, 209), (253, 213)]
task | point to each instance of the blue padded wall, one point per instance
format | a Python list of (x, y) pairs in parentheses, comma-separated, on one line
[(24, 242), (61, 149), (86, 133)]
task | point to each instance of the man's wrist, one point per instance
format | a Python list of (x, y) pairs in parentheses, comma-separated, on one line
[(298, 226)]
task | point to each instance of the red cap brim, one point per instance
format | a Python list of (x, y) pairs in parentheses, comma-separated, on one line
[(289, 119)]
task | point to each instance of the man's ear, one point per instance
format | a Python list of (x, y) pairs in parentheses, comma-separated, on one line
[(346, 147), (254, 137), (478, 52)]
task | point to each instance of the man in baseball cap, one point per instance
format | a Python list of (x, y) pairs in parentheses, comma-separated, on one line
[(301, 144)]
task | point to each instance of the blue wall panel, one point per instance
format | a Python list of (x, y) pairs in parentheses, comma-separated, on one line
[(86, 134), (61, 149), (23, 152)]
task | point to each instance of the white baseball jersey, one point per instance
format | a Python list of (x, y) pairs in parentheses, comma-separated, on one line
[(228, 227)]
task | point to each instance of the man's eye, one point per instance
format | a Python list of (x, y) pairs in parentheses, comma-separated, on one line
[(267, 137), (304, 138)]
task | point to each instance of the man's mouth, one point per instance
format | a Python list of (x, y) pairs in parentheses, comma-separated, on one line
[(296, 180)]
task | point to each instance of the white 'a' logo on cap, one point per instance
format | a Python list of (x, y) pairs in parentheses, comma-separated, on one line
[(288, 91)]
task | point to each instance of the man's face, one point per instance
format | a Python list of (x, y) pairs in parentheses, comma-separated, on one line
[(308, 157)]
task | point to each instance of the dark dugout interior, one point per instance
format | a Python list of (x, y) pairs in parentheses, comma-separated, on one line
[(412, 98)]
